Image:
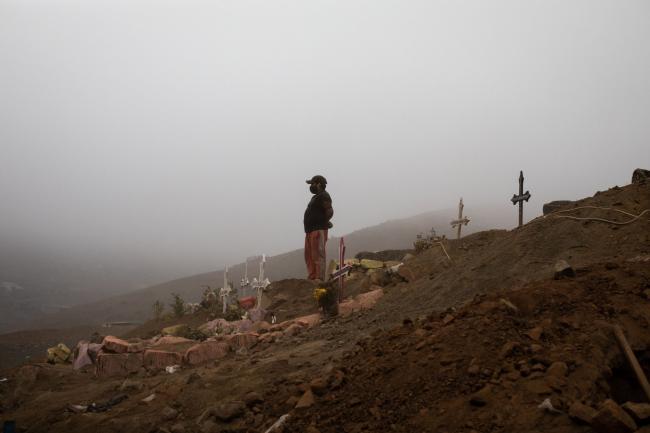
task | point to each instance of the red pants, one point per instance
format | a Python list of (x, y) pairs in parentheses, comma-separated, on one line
[(315, 254)]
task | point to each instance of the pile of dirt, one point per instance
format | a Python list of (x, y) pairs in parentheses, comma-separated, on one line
[(498, 259), (488, 366)]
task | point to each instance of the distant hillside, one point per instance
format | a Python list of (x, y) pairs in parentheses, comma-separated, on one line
[(394, 234), (36, 279)]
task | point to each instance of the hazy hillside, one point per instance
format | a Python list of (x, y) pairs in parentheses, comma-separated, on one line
[(37, 279), (399, 233)]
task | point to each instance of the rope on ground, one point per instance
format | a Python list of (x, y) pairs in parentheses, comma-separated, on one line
[(444, 250), (618, 223)]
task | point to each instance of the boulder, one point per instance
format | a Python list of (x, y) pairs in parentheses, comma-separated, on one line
[(159, 359), (181, 330), (640, 175), (118, 364), (611, 418), (206, 351)]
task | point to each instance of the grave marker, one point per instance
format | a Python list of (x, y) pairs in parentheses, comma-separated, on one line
[(521, 198)]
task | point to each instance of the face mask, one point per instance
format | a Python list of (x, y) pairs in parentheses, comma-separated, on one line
[(313, 189)]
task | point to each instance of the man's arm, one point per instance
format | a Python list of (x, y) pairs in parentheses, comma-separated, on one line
[(327, 208)]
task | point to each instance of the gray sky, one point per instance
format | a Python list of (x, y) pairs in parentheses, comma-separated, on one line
[(185, 130)]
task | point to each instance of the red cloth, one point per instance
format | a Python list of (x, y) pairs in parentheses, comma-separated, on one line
[(315, 254)]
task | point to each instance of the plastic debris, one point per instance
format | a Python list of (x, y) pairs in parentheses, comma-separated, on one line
[(171, 369), (103, 407), (148, 399), (279, 423), (77, 408), (59, 354), (547, 406)]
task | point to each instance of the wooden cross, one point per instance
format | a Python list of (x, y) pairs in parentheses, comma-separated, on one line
[(460, 221), (521, 198)]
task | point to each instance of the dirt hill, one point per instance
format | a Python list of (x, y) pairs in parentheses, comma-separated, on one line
[(136, 305), (488, 340)]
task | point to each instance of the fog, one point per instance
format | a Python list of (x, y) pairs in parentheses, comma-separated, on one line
[(181, 133)]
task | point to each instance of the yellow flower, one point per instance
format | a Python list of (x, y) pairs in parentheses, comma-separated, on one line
[(319, 293)]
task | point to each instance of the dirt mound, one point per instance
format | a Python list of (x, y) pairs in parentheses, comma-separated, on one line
[(488, 366), (499, 259)]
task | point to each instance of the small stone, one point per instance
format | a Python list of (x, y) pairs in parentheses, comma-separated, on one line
[(557, 369), (318, 386), (230, 410), (535, 333), (306, 401), (253, 398), (448, 319), (510, 348), (169, 414), (512, 376), (192, 378), (538, 387), (611, 418), (481, 398), (582, 413), (473, 370), (178, 428), (538, 367), (639, 411), (563, 269), (131, 385)]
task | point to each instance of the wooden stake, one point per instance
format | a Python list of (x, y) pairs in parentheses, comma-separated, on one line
[(631, 359)]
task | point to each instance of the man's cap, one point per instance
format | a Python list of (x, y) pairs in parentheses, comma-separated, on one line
[(317, 179)]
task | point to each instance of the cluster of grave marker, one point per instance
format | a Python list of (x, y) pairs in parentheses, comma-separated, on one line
[(516, 199)]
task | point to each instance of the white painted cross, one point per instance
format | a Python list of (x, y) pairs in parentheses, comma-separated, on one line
[(460, 221), (224, 292), (261, 282)]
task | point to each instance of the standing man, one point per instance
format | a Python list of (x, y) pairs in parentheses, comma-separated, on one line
[(317, 222)]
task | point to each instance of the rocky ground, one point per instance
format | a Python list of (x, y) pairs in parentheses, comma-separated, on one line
[(476, 342)]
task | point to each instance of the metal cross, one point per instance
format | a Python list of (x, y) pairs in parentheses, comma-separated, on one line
[(460, 221), (521, 198)]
